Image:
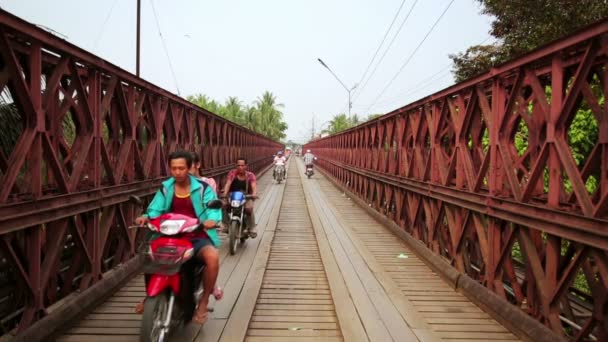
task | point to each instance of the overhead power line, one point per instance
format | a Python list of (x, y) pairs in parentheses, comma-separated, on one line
[(382, 42), (103, 26), (407, 61), (385, 51), (165, 47)]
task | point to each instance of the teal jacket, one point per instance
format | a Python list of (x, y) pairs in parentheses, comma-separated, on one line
[(162, 201)]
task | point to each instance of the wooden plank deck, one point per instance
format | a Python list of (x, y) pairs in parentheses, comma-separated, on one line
[(294, 299), (450, 315), (320, 270)]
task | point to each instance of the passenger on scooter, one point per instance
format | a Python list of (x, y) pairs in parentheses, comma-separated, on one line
[(195, 170), (185, 194), (240, 179)]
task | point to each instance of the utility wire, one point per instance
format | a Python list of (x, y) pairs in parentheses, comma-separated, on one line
[(165, 47), (385, 51), (407, 61), (382, 42), (103, 26), (423, 83)]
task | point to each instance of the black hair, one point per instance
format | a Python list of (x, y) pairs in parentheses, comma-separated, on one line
[(181, 155), (195, 158), (241, 158)]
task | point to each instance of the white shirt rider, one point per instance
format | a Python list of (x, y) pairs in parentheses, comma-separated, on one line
[(279, 160)]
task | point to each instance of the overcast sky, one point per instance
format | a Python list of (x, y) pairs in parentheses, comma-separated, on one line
[(243, 47)]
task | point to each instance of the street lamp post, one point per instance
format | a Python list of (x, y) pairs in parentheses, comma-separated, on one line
[(350, 104)]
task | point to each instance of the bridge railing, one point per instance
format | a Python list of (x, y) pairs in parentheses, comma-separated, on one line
[(78, 137), (505, 176)]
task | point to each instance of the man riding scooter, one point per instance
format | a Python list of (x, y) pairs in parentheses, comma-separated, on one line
[(279, 162), (242, 180), (309, 158), (185, 194)]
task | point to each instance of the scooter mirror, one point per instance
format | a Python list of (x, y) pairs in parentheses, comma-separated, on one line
[(215, 204)]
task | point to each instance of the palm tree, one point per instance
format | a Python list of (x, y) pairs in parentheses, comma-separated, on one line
[(338, 124), (205, 102), (264, 116), (270, 122), (232, 110)]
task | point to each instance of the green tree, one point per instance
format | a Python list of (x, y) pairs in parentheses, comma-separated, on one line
[(263, 116), (523, 25), (233, 110), (205, 102), (270, 121), (337, 124), (373, 116)]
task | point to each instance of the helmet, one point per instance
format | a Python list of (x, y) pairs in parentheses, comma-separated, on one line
[(280, 152), (307, 151)]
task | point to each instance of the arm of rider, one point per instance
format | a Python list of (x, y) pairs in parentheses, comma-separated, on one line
[(254, 189), (226, 188), (154, 209), (210, 217)]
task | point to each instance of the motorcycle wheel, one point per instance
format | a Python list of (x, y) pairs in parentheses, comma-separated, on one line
[(232, 236), (155, 311), (308, 174)]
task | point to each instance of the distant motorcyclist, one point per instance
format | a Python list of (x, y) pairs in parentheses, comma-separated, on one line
[(279, 160), (309, 158), (240, 179)]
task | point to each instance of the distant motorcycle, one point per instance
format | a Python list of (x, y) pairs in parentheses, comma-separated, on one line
[(279, 173), (237, 231)]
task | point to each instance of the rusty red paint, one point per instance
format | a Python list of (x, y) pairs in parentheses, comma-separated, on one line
[(91, 135), (446, 169)]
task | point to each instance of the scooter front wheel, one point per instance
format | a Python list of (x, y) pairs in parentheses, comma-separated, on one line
[(155, 313)]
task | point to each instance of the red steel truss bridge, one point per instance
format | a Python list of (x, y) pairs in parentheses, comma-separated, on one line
[(471, 214)]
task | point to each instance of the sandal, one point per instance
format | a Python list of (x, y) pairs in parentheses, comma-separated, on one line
[(200, 318)]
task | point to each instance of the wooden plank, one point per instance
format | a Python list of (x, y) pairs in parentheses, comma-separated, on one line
[(104, 331), (89, 323), (403, 305), (288, 325), (486, 336), (302, 313), (211, 331), (422, 287), (123, 317), (234, 286), (236, 326), (295, 301), (293, 296), (373, 305), (470, 327), (476, 321), (319, 319), (350, 322), (292, 338), (98, 338), (293, 333)]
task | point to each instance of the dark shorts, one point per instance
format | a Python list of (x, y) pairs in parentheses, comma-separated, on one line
[(198, 244)]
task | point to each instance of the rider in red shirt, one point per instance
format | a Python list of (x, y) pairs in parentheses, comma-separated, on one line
[(240, 179)]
